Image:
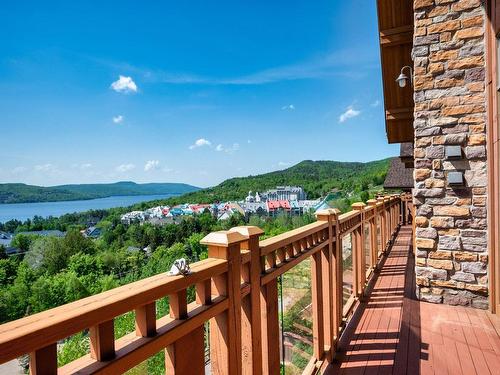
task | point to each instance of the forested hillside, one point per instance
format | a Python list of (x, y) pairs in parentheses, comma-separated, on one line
[(22, 193), (318, 178)]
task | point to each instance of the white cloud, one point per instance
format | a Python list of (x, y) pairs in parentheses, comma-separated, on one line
[(124, 85), (234, 147), (118, 119), (200, 143), (376, 103), (283, 164), (45, 168), (151, 165), (125, 168), (349, 113), (167, 170), (289, 107)]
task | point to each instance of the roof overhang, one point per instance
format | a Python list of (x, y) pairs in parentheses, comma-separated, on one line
[(395, 20)]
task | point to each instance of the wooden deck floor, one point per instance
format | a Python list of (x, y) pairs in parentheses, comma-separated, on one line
[(393, 333)]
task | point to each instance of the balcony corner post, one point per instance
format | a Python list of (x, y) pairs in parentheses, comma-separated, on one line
[(225, 329), (251, 325)]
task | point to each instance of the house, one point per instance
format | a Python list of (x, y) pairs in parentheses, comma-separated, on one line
[(92, 232)]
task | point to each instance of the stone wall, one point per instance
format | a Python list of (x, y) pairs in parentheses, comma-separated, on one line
[(450, 109)]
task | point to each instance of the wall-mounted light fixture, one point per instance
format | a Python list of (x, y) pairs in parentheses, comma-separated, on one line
[(453, 152), (403, 79), (455, 179)]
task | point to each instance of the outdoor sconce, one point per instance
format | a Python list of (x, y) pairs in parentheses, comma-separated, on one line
[(455, 179), (403, 78), (453, 152)]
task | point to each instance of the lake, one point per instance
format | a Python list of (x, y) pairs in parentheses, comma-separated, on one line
[(24, 211)]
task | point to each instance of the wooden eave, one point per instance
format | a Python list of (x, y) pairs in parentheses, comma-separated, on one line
[(395, 19)]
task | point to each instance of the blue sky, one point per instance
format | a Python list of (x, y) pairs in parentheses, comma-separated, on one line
[(194, 92)]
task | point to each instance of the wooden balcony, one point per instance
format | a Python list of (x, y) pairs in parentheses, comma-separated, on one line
[(393, 333), (374, 324)]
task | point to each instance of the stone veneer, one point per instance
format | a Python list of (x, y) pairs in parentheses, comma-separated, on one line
[(450, 109)]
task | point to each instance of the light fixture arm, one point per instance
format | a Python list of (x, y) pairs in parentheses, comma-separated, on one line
[(411, 73)]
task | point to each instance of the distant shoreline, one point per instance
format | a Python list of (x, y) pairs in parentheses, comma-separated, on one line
[(13, 193), (173, 194), (24, 211)]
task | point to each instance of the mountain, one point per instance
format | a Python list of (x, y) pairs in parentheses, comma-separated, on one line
[(318, 178), (22, 193)]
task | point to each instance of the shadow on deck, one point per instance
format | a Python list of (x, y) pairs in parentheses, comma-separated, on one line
[(394, 333)]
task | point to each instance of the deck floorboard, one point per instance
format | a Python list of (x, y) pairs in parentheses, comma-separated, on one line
[(394, 333)]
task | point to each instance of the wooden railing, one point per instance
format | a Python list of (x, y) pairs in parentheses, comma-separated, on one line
[(236, 292)]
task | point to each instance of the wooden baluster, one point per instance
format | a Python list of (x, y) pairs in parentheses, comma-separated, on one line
[(204, 292), (102, 341), (251, 320), (225, 329), (44, 361), (187, 354), (145, 320)]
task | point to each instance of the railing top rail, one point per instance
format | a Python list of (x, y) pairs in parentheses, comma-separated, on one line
[(287, 238), (348, 215), (28, 334)]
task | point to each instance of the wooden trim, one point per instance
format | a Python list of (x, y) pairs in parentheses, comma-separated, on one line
[(493, 152)]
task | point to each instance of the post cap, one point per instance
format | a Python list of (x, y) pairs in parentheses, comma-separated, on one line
[(327, 212), (358, 206), (247, 230), (371, 202), (223, 238)]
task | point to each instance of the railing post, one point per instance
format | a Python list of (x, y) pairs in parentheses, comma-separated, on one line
[(383, 229), (328, 258), (251, 322), (359, 242), (225, 329), (44, 361), (337, 279), (373, 234)]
